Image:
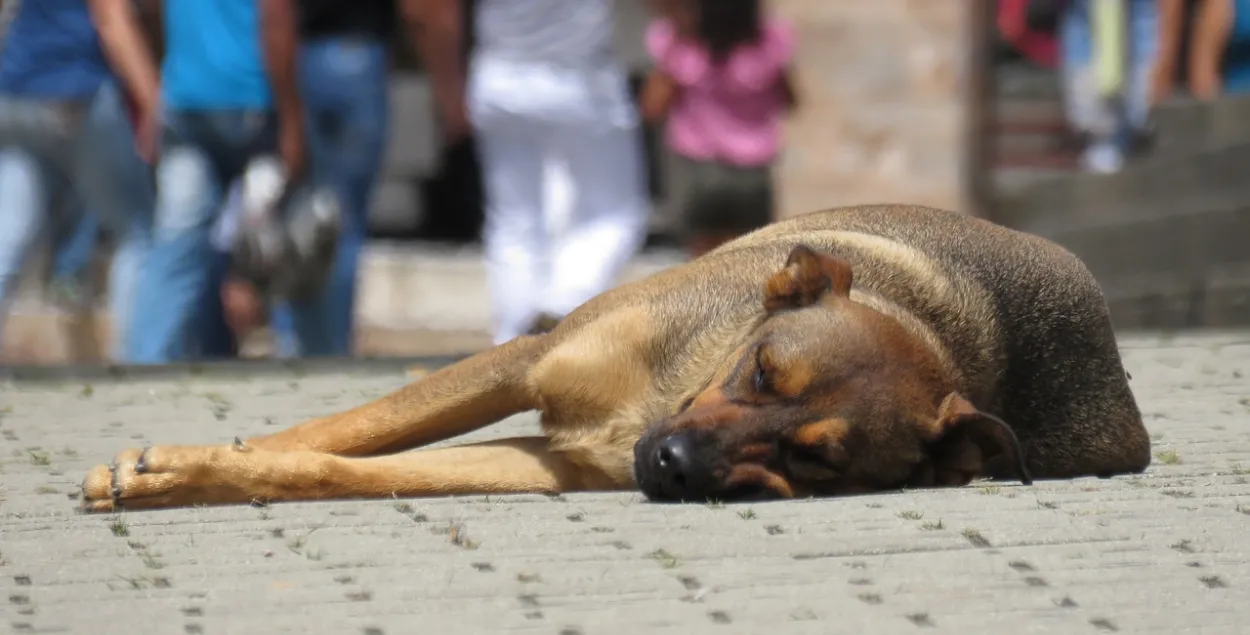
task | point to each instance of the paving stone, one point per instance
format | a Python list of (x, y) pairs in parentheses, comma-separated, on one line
[(1159, 552)]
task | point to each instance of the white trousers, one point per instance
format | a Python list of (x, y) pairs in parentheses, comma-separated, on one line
[(545, 134)]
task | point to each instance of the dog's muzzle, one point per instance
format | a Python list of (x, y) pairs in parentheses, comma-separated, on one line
[(669, 468)]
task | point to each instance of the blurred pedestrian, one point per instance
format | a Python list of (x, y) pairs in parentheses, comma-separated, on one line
[(723, 83), (1107, 60), (229, 92), (66, 144), (545, 88), (1031, 28), (344, 65), (1172, 49), (1219, 57)]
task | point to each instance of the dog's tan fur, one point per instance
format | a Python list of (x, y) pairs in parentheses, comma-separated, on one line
[(900, 377)]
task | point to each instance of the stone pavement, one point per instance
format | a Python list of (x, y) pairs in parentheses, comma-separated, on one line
[(1163, 552)]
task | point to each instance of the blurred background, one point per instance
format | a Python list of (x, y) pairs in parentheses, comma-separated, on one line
[(1116, 127)]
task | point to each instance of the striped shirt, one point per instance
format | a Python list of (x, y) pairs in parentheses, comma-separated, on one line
[(573, 33)]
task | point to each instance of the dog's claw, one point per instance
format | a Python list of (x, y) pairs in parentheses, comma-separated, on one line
[(141, 465), (239, 445)]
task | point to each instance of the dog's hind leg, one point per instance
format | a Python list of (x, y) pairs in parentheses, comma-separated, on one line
[(462, 397), (173, 476)]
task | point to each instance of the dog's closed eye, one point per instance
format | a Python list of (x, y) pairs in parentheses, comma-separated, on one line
[(761, 381)]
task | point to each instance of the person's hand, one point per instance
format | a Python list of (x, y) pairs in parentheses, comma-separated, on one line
[(148, 134), (243, 307), (454, 115), (145, 120), (291, 149)]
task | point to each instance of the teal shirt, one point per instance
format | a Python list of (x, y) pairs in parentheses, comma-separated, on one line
[(213, 56)]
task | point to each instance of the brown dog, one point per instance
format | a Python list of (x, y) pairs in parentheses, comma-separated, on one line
[(840, 352)]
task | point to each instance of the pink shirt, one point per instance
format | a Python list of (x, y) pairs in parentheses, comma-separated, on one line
[(730, 113)]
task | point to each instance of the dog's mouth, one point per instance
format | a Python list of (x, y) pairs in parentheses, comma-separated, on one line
[(685, 465), (740, 483)]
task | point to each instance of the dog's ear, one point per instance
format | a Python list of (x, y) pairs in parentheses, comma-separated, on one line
[(806, 278), (964, 439)]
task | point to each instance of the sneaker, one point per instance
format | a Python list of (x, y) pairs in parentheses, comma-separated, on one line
[(1102, 158)]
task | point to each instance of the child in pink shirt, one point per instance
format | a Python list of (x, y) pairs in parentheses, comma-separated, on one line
[(722, 83)]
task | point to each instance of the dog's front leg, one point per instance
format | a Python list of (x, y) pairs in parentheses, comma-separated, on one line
[(460, 398), (173, 476)]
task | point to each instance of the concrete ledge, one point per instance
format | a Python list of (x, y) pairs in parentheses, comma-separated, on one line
[(413, 300), (1167, 237)]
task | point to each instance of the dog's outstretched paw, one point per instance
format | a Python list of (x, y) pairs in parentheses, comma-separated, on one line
[(160, 476), (101, 488)]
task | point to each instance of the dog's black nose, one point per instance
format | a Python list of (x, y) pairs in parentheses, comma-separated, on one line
[(672, 465)]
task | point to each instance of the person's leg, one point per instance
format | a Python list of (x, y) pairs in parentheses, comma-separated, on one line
[(1076, 50), (1087, 111), (23, 207), (74, 251), (345, 85), (1212, 30), (514, 235), (216, 339), (35, 150), (609, 215), (175, 276), (511, 150), (74, 236), (116, 186), (1143, 47)]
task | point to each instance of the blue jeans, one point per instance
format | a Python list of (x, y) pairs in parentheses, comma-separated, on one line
[(344, 84), (1086, 109), (215, 338), (87, 150), (73, 251), (202, 153)]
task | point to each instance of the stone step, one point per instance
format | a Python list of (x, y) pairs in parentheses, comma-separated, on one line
[(413, 299), (1025, 81)]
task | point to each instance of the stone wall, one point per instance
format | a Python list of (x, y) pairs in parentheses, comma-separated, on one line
[(883, 111)]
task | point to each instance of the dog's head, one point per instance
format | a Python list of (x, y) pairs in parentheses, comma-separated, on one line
[(827, 397)]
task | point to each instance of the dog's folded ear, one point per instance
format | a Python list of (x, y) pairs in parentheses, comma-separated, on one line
[(963, 440), (807, 277)]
